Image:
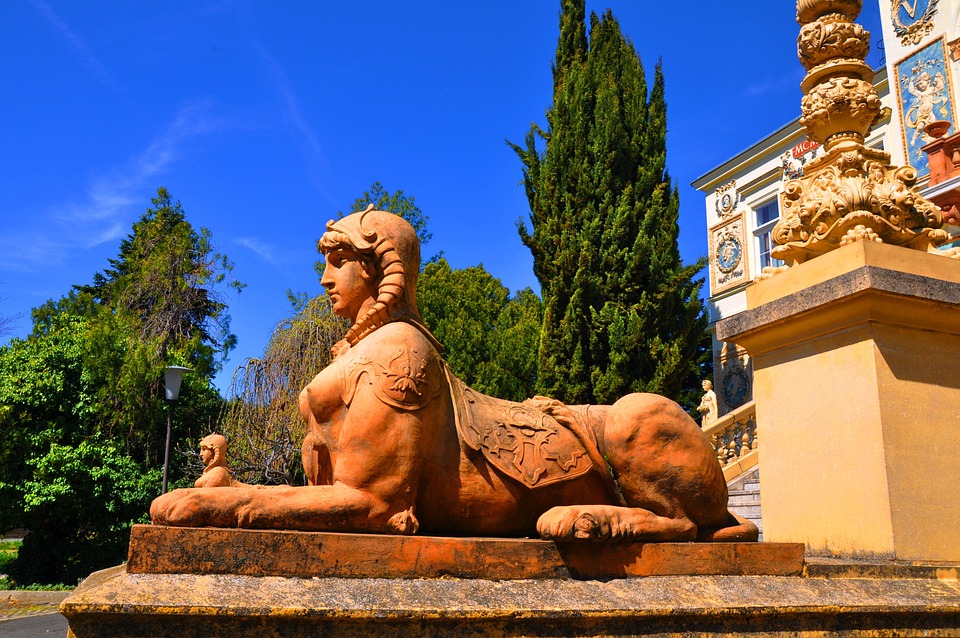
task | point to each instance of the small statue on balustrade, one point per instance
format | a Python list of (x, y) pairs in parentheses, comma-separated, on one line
[(397, 444), (708, 405)]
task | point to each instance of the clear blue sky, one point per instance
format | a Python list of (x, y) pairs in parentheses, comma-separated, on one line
[(266, 118)]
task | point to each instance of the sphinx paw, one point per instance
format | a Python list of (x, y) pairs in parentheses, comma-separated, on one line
[(612, 523), (174, 508), (574, 523), (404, 522)]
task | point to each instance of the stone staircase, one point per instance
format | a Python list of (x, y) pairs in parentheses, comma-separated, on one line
[(745, 497)]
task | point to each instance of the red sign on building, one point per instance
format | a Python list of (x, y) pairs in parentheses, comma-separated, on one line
[(803, 148)]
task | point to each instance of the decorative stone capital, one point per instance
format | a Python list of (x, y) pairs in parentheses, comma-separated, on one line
[(840, 106), (849, 188), (851, 193), (810, 10)]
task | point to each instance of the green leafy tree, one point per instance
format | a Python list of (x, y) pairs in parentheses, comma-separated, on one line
[(514, 347), (161, 307), (490, 339), (93, 492), (81, 408), (622, 313)]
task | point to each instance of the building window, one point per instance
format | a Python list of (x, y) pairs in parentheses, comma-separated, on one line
[(767, 215)]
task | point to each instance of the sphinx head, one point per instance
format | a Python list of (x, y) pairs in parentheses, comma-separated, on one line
[(213, 450), (386, 251)]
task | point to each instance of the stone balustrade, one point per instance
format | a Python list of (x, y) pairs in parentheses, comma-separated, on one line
[(734, 438)]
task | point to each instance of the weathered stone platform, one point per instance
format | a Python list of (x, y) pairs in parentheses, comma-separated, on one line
[(326, 594), (181, 550)]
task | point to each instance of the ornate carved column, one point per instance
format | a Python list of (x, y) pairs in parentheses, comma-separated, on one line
[(851, 193)]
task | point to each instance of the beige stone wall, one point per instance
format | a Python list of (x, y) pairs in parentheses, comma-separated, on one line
[(854, 358)]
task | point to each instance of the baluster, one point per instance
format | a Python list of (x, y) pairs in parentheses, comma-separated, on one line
[(732, 446), (718, 447)]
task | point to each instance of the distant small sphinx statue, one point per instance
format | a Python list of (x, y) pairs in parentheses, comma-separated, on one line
[(397, 444), (213, 453)]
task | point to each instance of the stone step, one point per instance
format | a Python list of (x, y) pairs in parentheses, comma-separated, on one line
[(750, 478), (746, 511), (743, 499)]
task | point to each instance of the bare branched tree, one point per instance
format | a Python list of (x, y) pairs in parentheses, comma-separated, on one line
[(261, 419), (8, 323)]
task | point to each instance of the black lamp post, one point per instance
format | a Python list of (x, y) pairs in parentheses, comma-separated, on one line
[(172, 378)]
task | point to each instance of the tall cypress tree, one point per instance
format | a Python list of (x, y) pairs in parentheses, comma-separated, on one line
[(622, 313)]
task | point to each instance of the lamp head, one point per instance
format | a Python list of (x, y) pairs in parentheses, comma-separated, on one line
[(172, 378)]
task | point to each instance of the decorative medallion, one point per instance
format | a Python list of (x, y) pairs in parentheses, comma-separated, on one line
[(727, 199), (729, 254), (735, 386), (793, 161), (727, 248), (733, 371), (912, 19)]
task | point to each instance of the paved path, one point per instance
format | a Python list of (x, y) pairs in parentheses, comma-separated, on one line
[(52, 624)]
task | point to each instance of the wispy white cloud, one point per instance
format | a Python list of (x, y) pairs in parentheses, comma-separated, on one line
[(86, 54), (303, 133), (787, 80), (28, 253), (260, 248), (281, 82), (111, 197), (111, 201)]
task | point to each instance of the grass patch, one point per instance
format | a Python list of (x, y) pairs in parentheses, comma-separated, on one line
[(8, 553), (8, 583)]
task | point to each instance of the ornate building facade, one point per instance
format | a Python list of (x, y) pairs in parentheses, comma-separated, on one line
[(921, 39)]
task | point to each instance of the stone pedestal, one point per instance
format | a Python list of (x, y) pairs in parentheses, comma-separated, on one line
[(200, 583), (856, 383)]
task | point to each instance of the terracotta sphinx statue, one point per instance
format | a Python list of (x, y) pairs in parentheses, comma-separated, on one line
[(397, 444), (213, 453)]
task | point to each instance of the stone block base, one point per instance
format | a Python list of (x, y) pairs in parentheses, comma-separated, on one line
[(120, 604), (238, 583)]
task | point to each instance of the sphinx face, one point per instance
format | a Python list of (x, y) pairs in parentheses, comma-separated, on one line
[(349, 285)]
